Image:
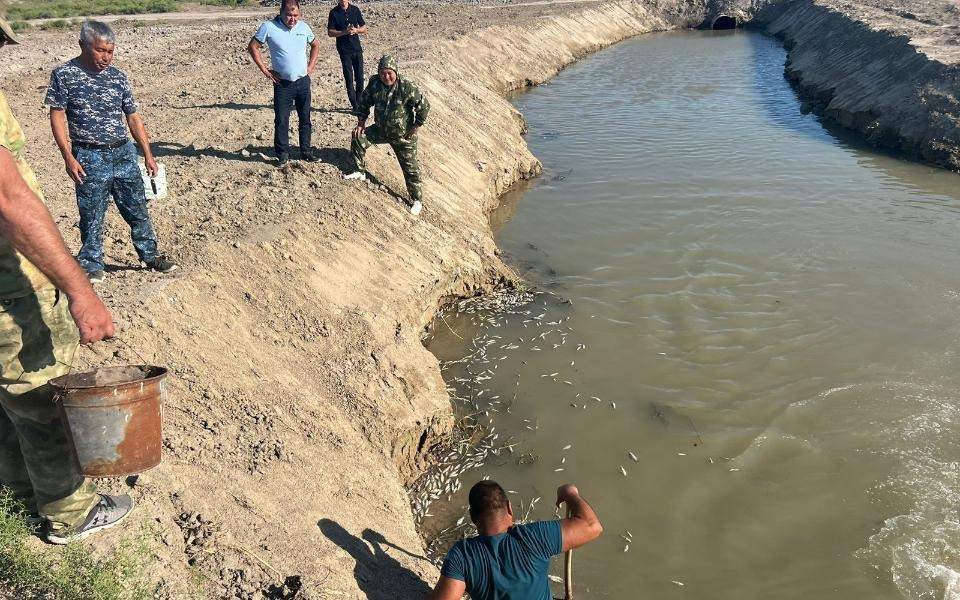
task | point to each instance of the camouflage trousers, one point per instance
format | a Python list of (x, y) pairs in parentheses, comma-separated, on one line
[(112, 172), (38, 341), (406, 151)]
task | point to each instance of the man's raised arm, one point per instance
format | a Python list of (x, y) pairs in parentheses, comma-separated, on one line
[(583, 525)]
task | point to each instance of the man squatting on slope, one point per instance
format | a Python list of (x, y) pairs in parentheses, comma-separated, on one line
[(346, 24), (47, 307), (507, 561), (89, 98), (400, 109), (288, 37)]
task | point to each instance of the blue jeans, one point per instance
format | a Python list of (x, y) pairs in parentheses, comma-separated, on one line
[(286, 95), (112, 172)]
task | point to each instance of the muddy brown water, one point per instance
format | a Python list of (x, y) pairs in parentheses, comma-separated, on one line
[(764, 313)]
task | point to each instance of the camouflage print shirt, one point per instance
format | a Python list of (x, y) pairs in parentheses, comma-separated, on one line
[(18, 276), (95, 102), (396, 109)]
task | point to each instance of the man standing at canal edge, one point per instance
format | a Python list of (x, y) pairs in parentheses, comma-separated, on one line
[(400, 109), (511, 561), (47, 306), (346, 24), (88, 99), (288, 37)]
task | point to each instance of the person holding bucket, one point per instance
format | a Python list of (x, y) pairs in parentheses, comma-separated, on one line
[(47, 307)]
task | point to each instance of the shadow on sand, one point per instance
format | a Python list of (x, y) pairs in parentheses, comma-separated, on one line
[(378, 574), (242, 106), (338, 157)]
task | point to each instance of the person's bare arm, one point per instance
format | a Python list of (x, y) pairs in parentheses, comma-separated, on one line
[(138, 130), (314, 54), (448, 589), (27, 225), (254, 49), (58, 123), (583, 525)]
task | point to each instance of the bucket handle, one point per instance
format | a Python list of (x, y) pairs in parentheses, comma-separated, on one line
[(59, 395), (118, 340)]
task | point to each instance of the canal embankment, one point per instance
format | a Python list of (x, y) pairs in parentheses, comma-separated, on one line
[(888, 72)]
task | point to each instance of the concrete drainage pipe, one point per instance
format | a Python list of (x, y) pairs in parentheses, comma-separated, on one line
[(724, 22)]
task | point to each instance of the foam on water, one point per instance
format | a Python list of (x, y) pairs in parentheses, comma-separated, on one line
[(921, 547)]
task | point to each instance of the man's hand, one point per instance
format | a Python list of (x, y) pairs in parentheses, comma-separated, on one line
[(75, 170), (358, 130), (91, 316), (411, 134), (152, 168), (310, 69), (565, 492), (271, 75)]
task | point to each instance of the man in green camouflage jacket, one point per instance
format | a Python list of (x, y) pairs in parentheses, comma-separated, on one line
[(399, 110)]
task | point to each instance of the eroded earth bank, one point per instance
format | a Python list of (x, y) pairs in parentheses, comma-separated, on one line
[(301, 399)]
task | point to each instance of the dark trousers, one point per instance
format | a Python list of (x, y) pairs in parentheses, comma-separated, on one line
[(353, 75), (286, 95)]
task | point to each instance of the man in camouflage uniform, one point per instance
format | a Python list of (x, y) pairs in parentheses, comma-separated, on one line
[(47, 306), (399, 110), (88, 99)]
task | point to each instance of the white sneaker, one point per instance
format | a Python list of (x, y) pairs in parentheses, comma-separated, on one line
[(416, 208), (356, 175)]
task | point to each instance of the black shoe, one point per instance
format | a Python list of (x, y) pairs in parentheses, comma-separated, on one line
[(95, 276), (309, 155), (162, 264), (283, 159)]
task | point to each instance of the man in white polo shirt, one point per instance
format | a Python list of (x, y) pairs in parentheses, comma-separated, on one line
[(288, 37)]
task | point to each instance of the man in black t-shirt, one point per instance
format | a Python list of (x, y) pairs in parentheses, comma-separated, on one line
[(346, 24)]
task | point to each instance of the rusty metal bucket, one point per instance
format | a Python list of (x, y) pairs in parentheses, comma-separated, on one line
[(113, 417)]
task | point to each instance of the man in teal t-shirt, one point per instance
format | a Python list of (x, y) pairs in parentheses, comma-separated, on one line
[(507, 561)]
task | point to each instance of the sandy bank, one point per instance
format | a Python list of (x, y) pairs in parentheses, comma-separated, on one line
[(302, 399)]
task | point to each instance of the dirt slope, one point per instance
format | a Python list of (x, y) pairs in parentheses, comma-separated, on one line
[(301, 398)]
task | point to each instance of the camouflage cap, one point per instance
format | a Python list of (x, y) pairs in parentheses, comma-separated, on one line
[(388, 62), (8, 32)]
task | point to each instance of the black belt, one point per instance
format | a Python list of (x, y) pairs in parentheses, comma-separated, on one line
[(110, 146)]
